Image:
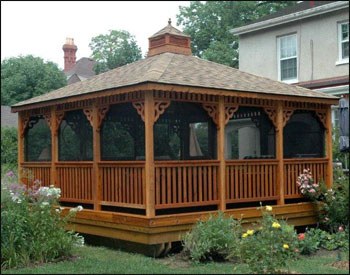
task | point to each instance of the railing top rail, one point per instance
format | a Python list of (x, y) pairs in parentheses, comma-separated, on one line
[(122, 163), (172, 163), (304, 160), (36, 163), (74, 163), (251, 161)]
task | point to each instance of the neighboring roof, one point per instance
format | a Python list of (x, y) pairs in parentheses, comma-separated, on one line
[(177, 69), (83, 67), (290, 14), (304, 5), (170, 30), (325, 82), (8, 118)]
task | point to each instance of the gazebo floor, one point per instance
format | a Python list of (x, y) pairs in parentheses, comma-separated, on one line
[(163, 230)]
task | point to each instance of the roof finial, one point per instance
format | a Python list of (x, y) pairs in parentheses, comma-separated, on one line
[(169, 21)]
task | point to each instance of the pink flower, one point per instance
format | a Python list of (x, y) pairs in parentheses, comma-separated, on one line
[(10, 174), (301, 236), (312, 191), (340, 228)]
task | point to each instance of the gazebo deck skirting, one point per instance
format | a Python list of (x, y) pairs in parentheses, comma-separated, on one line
[(151, 200)]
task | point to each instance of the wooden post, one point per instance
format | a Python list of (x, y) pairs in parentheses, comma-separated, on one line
[(97, 188), (20, 145), (54, 147), (221, 153), (149, 154), (279, 154), (329, 142)]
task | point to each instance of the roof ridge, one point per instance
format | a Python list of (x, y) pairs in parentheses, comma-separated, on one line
[(162, 60)]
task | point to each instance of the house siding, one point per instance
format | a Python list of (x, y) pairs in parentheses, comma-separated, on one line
[(258, 50)]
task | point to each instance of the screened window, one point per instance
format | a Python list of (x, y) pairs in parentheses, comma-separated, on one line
[(122, 134), (343, 37), (75, 137), (303, 136), (249, 135), (184, 131), (288, 58), (37, 140)]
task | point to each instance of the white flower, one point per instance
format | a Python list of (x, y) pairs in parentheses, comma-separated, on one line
[(58, 210), (43, 204), (19, 201), (62, 208), (80, 208)]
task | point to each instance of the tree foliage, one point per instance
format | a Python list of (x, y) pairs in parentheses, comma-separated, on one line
[(24, 77), (209, 24), (113, 50), (8, 145)]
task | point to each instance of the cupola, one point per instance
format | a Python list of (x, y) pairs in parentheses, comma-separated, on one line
[(169, 40)]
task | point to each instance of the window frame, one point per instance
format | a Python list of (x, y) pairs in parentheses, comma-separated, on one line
[(289, 81), (342, 60)]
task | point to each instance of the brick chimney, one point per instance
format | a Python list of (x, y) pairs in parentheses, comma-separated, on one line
[(171, 40), (69, 50)]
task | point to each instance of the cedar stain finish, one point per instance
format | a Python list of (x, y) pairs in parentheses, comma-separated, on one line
[(138, 191)]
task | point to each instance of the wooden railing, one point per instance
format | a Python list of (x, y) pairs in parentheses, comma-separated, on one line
[(75, 180), (294, 167), (32, 171), (186, 183), (250, 180), (123, 183)]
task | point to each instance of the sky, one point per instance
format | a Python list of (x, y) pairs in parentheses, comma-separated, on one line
[(41, 28)]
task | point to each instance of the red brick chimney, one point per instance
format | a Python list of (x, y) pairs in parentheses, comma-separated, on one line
[(69, 54)]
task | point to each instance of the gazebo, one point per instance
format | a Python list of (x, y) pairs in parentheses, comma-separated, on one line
[(151, 147)]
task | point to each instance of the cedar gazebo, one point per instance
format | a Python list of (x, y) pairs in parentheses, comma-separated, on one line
[(153, 146)]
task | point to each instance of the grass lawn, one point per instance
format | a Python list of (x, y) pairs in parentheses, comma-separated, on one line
[(101, 260)]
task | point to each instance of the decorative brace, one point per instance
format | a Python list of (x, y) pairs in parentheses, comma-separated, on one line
[(140, 108), (25, 122), (101, 113), (229, 112), (159, 108), (59, 118), (212, 110), (272, 114)]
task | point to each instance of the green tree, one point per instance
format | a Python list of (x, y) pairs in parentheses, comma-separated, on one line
[(209, 25), (113, 50), (8, 145), (24, 77)]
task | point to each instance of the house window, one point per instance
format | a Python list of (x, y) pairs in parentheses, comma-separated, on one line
[(343, 39), (288, 58)]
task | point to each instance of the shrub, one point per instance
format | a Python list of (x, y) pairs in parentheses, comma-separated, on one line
[(8, 148), (212, 239), (315, 239), (267, 249), (308, 242), (334, 208), (32, 229)]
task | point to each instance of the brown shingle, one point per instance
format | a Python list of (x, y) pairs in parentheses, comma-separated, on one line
[(177, 69)]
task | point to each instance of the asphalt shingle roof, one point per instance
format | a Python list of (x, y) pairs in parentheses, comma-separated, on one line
[(177, 69)]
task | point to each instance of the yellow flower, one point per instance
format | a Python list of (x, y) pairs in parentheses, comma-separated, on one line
[(244, 235), (285, 246), (268, 208), (276, 225), (250, 232)]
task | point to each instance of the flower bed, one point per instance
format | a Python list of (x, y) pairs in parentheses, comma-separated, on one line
[(32, 229)]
